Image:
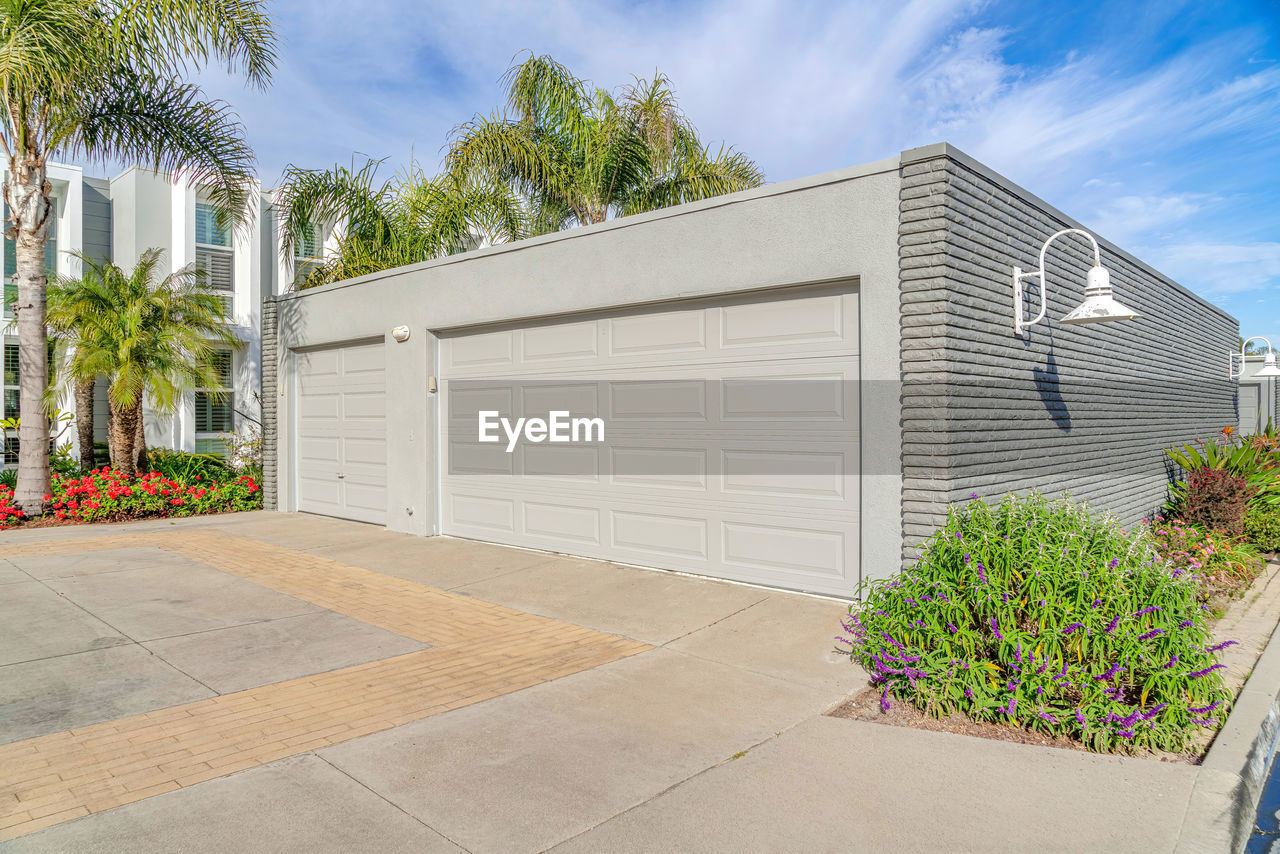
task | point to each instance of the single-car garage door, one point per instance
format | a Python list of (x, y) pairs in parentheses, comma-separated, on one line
[(341, 438), (730, 449)]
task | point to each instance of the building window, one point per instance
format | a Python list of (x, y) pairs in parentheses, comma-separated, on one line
[(308, 250), (9, 404), (215, 416), (215, 256), (11, 262)]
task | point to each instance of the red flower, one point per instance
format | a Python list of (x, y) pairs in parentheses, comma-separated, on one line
[(176, 502)]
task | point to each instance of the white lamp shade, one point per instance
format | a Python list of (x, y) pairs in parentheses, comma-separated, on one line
[(1268, 368), (1099, 306)]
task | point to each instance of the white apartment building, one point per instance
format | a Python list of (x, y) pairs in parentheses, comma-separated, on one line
[(117, 220)]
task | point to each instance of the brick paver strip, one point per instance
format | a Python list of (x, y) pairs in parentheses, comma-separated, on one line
[(479, 651)]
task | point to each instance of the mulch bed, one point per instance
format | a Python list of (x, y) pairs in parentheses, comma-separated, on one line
[(865, 706)]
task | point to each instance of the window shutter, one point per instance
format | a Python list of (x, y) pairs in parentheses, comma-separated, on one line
[(219, 273)]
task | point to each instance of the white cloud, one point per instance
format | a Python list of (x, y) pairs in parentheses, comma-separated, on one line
[(1218, 269)]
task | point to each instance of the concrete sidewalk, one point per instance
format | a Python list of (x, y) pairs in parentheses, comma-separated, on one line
[(714, 739)]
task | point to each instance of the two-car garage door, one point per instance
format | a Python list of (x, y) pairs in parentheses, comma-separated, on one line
[(731, 446)]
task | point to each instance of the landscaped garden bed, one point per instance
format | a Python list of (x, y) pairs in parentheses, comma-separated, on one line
[(1040, 621), (179, 485)]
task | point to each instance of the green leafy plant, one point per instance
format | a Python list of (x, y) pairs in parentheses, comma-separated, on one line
[(1255, 459), (1221, 564), (1262, 527), (186, 467), (1039, 614), (8, 479)]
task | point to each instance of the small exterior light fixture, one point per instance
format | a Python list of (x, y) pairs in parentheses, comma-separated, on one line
[(1098, 306), (1236, 370), (400, 333)]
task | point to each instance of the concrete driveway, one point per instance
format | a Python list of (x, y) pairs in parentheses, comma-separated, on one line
[(275, 682)]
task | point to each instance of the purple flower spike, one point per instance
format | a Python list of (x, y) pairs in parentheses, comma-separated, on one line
[(1114, 563), (968, 693), (1097, 602), (1221, 646), (1204, 710), (1111, 628), (1147, 610), (972, 495), (952, 627), (884, 701), (1080, 718), (1186, 624), (1013, 705), (1149, 635), (1173, 659), (982, 573), (966, 559), (1045, 716), (995, 627), (1115, 669), (1205, 672), (1146, 716), (1071, 628)]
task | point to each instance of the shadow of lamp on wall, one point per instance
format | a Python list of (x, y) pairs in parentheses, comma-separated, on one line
[(1049, 388)]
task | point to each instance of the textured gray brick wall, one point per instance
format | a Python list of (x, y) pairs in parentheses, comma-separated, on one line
[(270, 399), (1085, 410)]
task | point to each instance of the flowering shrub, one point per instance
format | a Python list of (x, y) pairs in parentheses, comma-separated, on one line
[(9, 515), (1040, 615), (105, 495), (1216, 500), (1222, 565)]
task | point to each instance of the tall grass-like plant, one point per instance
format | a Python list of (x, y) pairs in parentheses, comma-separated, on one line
[(1255, 459), (1039, 614)]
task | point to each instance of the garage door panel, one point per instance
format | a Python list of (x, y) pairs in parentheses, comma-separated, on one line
[(562, 521), (659, 534), (340, 434), (783, 323), (732, 444), (559, 342), (580, 462), (656, 466), (673, 332), (658, 400), (481, 514)]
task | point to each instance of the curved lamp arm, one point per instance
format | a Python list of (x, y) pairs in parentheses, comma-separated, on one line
[(1235, 372), (1018, 275)]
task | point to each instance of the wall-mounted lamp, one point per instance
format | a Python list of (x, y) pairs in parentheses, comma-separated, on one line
[(1268, 369), (400, 333), (1098, 306)]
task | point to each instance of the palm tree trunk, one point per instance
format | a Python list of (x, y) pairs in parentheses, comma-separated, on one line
[(27, 194), (124, 431), (140, 443), (84, 422)]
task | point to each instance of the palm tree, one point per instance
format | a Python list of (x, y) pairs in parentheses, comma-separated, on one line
[(580, 154), (380, 225), (107, 80), (149, 339)]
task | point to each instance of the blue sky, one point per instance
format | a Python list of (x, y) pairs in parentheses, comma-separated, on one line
[(1156, 124)]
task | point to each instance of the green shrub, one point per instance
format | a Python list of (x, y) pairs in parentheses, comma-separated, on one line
[(9, 478), (1262, 527), (1221, 564), (1038, 614), (186, 467)]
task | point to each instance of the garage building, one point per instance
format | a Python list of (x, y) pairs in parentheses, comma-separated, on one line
[(794, 381)]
